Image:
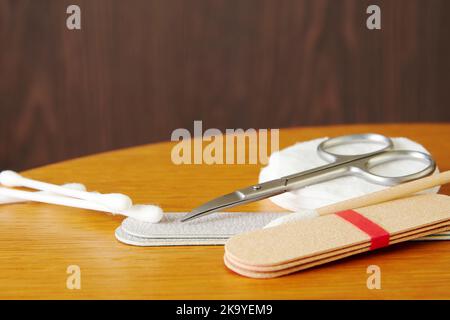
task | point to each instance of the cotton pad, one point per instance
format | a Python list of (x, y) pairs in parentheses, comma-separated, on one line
[(303, 156)]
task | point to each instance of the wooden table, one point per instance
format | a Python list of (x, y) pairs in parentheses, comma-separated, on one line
[(38, 242)]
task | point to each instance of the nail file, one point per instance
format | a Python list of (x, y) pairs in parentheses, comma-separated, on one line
[(364, 247), (214, 229), (251, 273), (126, 238), (302, 244)]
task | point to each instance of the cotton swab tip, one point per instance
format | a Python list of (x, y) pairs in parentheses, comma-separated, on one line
[(295, 216), (114, 201), (10, 178), (147, 213)]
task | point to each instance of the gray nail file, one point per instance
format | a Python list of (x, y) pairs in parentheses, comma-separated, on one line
[(214, 229)]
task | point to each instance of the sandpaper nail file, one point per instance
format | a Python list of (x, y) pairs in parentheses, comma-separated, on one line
[(295, 268), (365, 245), (302, 244), (331, 256)]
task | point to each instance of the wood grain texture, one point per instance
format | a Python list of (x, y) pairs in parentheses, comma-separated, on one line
[(140, 69), (39, 241)]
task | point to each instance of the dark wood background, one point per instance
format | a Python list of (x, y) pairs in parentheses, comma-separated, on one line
[(139, 69)]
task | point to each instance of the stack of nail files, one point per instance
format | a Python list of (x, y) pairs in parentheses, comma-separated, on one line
[(302, 244), (213, 229)]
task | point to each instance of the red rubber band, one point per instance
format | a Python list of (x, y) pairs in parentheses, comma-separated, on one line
[(379, 237)]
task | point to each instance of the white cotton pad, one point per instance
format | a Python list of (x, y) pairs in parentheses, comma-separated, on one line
[(303, 156)]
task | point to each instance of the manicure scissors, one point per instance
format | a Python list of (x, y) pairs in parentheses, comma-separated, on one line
[(340, 165)]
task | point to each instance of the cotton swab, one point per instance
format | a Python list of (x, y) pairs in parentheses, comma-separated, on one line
[(74, 186), (294, 216), (388, 194), (147, 213), (144, 212), (113, 201)]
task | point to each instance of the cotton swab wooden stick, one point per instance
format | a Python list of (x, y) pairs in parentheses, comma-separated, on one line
[(148, 213), (113, 201), (388, 194)]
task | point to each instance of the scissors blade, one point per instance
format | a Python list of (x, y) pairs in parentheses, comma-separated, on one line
[(225, 201), (249, 194)]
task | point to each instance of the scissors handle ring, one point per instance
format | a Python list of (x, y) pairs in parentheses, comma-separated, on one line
[(324, 146), (363, 166)]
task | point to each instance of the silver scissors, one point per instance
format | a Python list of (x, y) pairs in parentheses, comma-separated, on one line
[(341, 165)]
